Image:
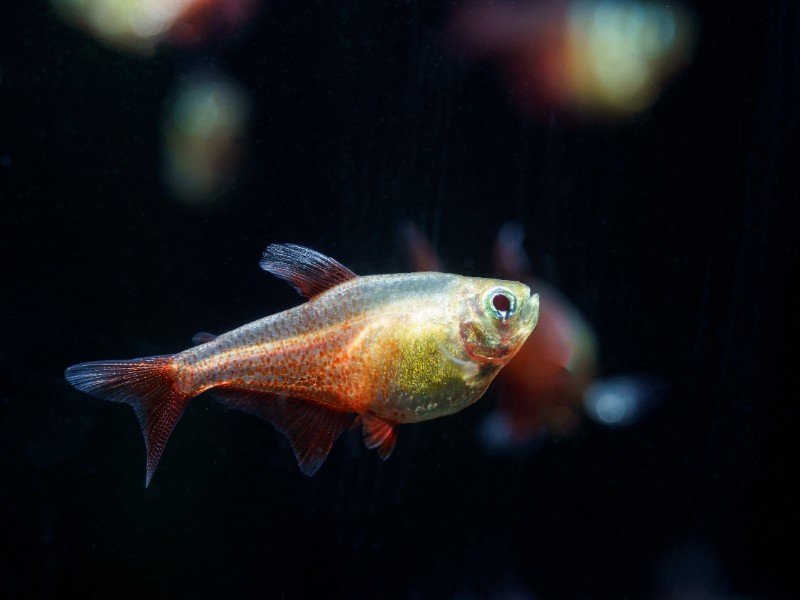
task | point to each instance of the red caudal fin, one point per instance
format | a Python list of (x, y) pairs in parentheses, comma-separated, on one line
[(148, 385), (308, 271), (311, 428), (379, 434)]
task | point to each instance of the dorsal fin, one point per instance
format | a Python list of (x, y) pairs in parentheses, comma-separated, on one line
[(311, 428), (378, 434), (203, 337), (308, 271)]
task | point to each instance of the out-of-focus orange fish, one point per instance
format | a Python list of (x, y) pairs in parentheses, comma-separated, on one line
[(552, 380), (584, 58), (548, 385), (202, 20), (377, 350)]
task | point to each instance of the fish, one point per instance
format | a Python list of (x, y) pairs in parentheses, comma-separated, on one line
[(584, 60), (141, 26), (544, 393), (372, 351), (204, 134), (553, 380)]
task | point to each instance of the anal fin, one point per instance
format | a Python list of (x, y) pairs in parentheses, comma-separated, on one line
[(379, 435), (311, 428)]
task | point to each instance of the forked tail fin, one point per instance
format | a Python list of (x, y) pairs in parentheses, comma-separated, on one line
[(148, 385)]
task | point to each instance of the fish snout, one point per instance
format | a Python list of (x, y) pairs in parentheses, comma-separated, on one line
[(532, 310)]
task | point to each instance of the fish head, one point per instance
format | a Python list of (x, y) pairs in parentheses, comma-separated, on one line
[(496, 318)]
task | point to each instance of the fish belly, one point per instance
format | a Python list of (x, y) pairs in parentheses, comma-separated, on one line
[(415, 377)]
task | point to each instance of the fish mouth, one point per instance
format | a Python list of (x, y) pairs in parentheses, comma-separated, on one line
[(531, 313), (528, 318)]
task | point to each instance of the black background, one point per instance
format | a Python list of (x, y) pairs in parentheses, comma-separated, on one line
[(675, 233)]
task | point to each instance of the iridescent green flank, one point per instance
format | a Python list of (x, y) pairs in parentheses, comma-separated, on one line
[(422, 369), (429, 379)]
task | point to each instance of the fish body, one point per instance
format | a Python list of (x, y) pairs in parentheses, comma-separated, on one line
[(386, 345), (377, 350)]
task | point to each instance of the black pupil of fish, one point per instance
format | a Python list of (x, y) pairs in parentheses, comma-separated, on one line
[(502, 303)]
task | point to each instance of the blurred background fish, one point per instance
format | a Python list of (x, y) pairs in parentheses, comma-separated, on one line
[(205, 20), (204, 137), (588, 59), (553, 381), (140, 26)]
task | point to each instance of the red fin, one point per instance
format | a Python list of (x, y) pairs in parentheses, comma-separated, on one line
[(312, 429), (419, 251), (510, 259), (308, 271), (203, 337), (379, 434), (147, 385)]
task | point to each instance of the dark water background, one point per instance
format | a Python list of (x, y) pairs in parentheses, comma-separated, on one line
[(676, 234)]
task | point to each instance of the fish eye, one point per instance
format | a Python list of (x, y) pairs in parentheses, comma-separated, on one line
[(500, 303)]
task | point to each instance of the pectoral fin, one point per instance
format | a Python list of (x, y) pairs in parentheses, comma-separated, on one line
[(311, 428)]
